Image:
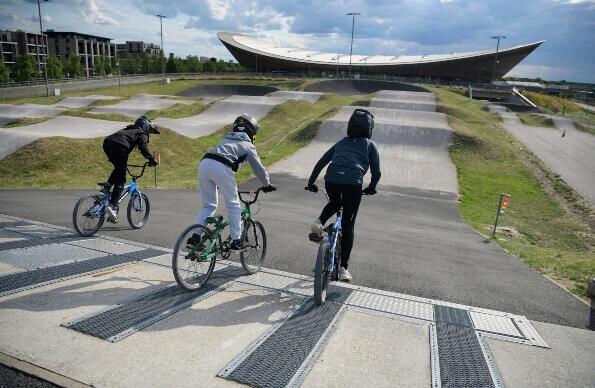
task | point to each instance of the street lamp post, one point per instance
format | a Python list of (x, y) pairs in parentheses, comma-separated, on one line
[(45, 68), (337, 65), (353, 15), (496, 57), (161, 17)]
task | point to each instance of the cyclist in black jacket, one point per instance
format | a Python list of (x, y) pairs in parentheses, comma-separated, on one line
[(117, 147)]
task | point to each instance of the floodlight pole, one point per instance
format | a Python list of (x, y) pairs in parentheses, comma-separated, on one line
[(496, 57), (161, 17), (45, 68), (353, 15)]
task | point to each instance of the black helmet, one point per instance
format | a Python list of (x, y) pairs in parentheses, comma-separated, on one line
[(361, 124), (246, 123), (146, 125)]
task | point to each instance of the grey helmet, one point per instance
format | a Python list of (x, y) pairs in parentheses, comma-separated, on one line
[(247, 124), (146, 125), (361, 124)]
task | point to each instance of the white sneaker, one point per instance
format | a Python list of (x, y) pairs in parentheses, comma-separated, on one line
[(344, 275), (315, 231), (112, 216)]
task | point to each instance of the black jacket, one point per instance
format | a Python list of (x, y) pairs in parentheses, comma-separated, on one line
[(131, 137)]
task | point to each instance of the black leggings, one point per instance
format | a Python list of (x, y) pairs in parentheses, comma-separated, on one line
[(118, 156), (348, 197)]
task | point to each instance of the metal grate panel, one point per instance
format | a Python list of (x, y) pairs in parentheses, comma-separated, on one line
[(462, 362), (29, 241), (287, 354), (452, 315), (47, 255), (392, 305), (495, 324), (119, 321), (21, 281), (12, 224), (103, 245)]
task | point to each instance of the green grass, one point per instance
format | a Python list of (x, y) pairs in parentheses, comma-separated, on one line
[(535, 120), (26, 121), (98, 116), (59, 162), (488, 162), (158, 87), (178, 111)]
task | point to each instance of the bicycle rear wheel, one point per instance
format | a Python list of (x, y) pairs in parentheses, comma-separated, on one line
[(321, 274), (191, 263), (255, 239), (85, 217), (138, 210)]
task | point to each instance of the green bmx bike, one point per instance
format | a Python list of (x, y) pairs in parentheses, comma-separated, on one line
[(197, 248)]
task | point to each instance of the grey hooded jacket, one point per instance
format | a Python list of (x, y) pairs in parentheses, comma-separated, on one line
[(233, 151)]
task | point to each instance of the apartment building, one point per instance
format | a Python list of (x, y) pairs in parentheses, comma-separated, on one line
[(63, 44), (137, 47), (14, 43)]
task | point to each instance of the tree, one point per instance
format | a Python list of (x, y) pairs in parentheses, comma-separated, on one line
[(4, 76), (54, 67), (211, 65), (170, 66), (24, 68), (98, 69), (73, 67), (107, 66)]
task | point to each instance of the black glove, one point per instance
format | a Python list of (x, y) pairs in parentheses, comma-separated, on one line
[(153, 163), (311, 187), (269, 188), (369, 191)]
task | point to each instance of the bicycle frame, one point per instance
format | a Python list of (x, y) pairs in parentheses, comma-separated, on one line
[(332, 242)]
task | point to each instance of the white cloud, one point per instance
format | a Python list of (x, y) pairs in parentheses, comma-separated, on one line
[(92, 13)]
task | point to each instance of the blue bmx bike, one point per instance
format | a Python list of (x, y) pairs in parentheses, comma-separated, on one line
[(89, 212)]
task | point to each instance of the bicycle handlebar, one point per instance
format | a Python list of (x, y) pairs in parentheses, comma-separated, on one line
[(135, 165), (252, 193)]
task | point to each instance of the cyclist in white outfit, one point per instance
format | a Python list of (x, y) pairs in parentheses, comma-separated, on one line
[(217, 170)]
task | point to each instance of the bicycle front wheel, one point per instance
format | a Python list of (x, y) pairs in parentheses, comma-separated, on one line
[(194, 257), (138, 210), (88, 215), (321, 275), (255, 243)]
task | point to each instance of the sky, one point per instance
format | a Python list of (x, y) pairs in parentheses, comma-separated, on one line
[(404, 27)]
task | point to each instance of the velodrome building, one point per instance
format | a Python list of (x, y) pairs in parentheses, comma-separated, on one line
[(262, 56)]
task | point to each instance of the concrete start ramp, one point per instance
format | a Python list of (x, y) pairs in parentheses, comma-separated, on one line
[(75, 127), (226, 90), (10, 113), (359, 87), (220, 114), (413, 148), (290, 95), (112, 303), (139, 104), (81, 102)]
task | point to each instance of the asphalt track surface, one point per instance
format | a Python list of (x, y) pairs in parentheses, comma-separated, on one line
[(359, 87), (139, 105), (9, 113), (408, 239), (226, 90), (571, 156)]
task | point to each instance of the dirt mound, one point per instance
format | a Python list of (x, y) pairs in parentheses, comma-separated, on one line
[(357, 87), (224, 90)]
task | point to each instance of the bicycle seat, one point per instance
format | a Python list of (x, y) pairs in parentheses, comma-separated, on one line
[(104, 185), (216, 219)]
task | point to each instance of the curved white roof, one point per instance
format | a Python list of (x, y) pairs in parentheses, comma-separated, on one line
[(304, 55)]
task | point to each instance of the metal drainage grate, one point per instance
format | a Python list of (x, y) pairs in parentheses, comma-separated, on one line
[(462, 362), (36, 241), (119, 321), (21, 281), (284, 355), (452, 315), (12, 224)]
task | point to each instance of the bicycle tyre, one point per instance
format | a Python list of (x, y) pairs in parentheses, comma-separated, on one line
[(134, 209), (321, 275), (250, 237), (194, 282), (78, 224)]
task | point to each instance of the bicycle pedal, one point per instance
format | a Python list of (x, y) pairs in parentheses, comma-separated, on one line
[(314, 237)]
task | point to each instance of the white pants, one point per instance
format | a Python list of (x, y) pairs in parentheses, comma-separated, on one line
[(213, 175)]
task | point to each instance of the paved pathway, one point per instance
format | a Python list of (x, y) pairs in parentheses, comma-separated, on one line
[(139, 105), (571, 156)]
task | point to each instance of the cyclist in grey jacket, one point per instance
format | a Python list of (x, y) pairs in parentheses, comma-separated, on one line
[(217, 170), (349, 161)]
